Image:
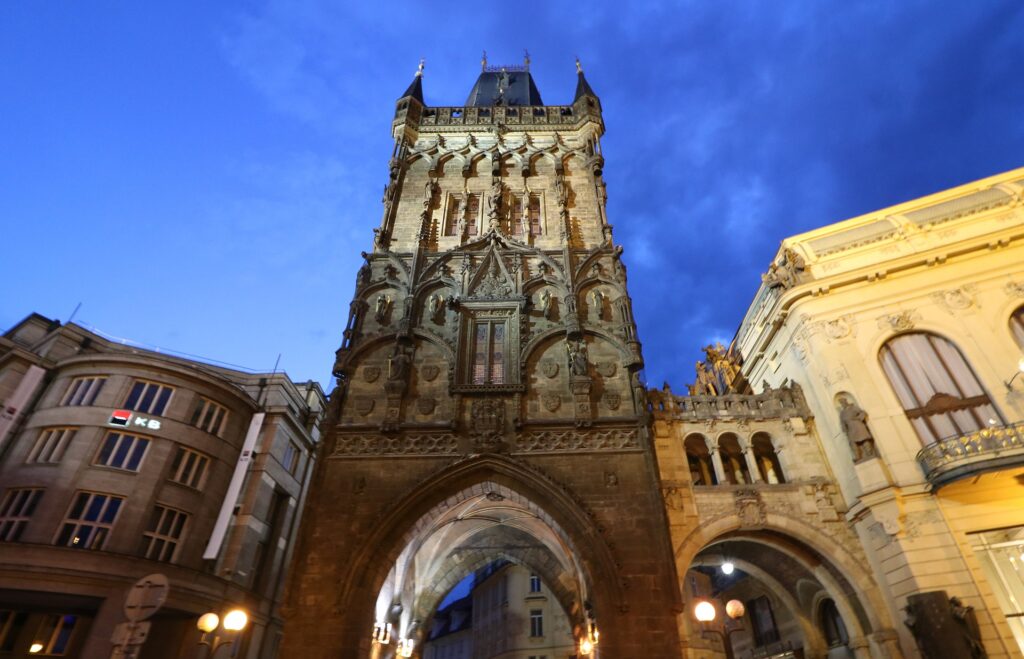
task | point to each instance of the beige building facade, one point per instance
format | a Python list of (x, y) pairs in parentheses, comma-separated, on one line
[(119, 462)]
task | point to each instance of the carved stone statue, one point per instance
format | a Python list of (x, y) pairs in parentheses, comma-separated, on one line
[(577, 353), (380, 310), (786, 272), (597, 299), (706, 385), (494, 204), (398, 364), (435, 306), (460, 214), (854, 424), (547, 304)]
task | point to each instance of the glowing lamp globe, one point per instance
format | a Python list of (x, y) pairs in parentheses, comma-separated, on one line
[(208, 622), (728, 567), (235, 620), (704, 611), (36, 648), (586, 647), (735, 609)]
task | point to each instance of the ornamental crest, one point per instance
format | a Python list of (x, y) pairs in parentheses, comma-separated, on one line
[(488, 417), (612, 400), (430, 372), (551, 401), (549, 368), (371, 373), (364, 406), (426, 405), (606, 369)]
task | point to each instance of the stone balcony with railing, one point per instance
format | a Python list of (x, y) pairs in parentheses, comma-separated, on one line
[(784, 402), (458, 117), (972, 453)]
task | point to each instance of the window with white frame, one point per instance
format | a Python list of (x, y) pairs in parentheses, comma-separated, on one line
[(16, 510), (89, 520), (939, 391), (290, 460), (55, 634), (50, 445), (189, 468), (165, 530), (536, 622), (122, 451), (209, 416), (148, 397), (83, 391), (534, 583)]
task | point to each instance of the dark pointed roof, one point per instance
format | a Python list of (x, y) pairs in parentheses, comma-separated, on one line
[(504, 87), (582, 87), (415, 88)]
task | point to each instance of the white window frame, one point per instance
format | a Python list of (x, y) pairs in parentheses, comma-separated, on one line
[(209, 416), (190, 468), (536, 623), (122, 439), (156, 533), (16, 510), (535, 583), (98, 530), (141, 405), (83, 390), (51, 445)]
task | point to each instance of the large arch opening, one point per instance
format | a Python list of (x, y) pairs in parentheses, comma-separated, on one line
[(499, 552), (794, 598)]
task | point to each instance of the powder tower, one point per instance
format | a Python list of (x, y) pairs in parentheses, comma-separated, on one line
[(489, 405)]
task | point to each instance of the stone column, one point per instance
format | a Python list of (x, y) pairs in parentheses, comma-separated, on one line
[(748, 455), (716, 461), (861, 647)]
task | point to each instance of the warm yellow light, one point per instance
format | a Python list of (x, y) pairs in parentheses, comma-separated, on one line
[(36, 648), (405, 647), (586, 647), (704, 611), (235, 620), (1020, 365), (735, 609), (208, 622)]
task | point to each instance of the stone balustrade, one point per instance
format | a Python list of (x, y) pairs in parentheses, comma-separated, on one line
[(784, 402), (512, 115), (970, 453)]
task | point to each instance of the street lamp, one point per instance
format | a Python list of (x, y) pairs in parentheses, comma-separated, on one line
[(705, 612), (234, 622), (1020, 369)]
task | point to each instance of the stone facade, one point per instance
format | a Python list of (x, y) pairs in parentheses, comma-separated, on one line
[(489, 363), (161, 478)]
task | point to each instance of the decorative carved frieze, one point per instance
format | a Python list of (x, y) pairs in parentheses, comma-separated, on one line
[(350, 445), (901, 322), (956, 299), (617, 439)]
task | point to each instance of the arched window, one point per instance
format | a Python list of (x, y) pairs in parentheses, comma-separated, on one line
[(832, 625), (702, 471), (733, 461), (767, 459), (939, 392), (1017, 326)]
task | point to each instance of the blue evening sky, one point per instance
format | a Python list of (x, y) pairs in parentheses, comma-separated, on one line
[(202, 176)]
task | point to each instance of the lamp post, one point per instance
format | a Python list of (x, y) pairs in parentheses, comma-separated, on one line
[(234, 622), (704, 612)]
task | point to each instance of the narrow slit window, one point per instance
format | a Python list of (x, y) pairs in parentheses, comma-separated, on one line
[(452, 220), (534, 215), (472, 213)]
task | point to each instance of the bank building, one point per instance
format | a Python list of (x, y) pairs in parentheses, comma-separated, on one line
[(491, 478)]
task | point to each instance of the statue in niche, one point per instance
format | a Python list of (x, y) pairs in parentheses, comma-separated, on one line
[(547, 304), (853, 421), (380, 311), (597, 299), (494, 204), (577, 354), (460, 214), (398, 364), (435, 307), (561, 193)]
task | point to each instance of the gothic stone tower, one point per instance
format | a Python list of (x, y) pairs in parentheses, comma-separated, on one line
[(488, 404)]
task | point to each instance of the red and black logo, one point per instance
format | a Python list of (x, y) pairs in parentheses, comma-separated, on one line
[(120, 418)]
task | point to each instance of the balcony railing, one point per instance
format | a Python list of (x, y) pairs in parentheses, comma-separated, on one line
[(974, 452)]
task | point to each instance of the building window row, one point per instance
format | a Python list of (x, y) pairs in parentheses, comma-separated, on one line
[(166, 527), (189, 468), (51, 445), (209, 416), (148, 397), (83, 391), (89, 521), (122, 451), (16, 510)]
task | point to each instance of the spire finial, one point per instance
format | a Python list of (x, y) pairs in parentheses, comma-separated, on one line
[(579, 67), (483, 62), (526, 59), (419, 69)]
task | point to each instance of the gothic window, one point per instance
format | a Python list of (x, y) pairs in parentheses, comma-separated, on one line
[(1017, 326), (489, 338), (472, 214), (451, 221), (534, 215), (939, 391), (767, 459)]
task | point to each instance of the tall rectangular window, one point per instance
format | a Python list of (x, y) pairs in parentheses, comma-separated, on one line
[(55, 634), (451, 221), (16, 510), (534, 583), (50, 445), (122, 451), (534, 215), (517, 215), (290, 460), (1002, 560), (189, 468), (489, 352), (89, 520), (536, 622), (209, 416), (83, 391), (11, 623), (148, 397), (166, 527), (472, 214)]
